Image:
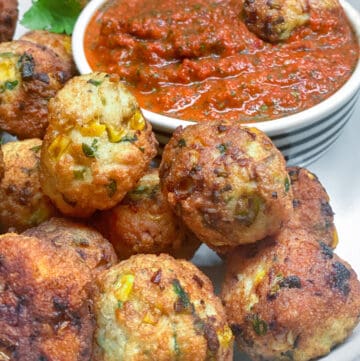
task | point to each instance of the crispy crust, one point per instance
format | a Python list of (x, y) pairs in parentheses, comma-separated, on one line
[(22, 202), (292, 299), (144, 223), (93, 249), (312, 210), (31, 75), (167, 302), (96, 147), (58, 43), (227, 182), (45, 302), (8, 18)]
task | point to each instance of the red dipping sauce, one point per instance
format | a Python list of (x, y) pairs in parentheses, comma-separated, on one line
[(196, 59)]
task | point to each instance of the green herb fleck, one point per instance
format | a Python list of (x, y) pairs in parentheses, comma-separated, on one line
[(79, 173), (222, 148), (287, 184), (264, 108), (8, 85), (111, 187), (120, 304), (183, 296), (129, 138), (36, 148), (260, 326), (90, 150), (181, 143), (94, 82)]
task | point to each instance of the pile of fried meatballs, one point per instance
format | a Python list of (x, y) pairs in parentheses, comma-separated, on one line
[(97, 229)]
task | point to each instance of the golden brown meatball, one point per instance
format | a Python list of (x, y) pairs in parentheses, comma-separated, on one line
[(227, 182), (45, 302), (97, 145), (155, 305), (144, 223), (22, 202), (97, 253), (292, 299), (312, 211), (274, 20), (58, 43), (8, 19), (30, 75)]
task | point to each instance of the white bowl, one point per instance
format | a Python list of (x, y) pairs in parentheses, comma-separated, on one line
[(302, 137)]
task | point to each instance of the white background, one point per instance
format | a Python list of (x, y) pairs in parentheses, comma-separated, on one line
[(339, 172)]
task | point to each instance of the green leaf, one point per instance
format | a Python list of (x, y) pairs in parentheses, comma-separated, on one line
[(90, 150), (55, 16)]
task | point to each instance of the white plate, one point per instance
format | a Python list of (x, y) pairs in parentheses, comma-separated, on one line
[(339, 172)]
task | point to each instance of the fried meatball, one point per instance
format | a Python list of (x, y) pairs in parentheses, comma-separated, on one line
[(312, 211), (30, 75), (155, 305), (227, 182), (275, 20), (8, 19), (97, 145), (292, 299), (144, 223), (45, 298), (58, 43), (22, 202), (94, 250)]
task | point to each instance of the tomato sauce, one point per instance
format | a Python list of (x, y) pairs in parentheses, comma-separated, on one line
[(196, 59)]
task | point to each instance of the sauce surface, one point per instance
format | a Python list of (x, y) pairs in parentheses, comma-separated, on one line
[(196, 59)]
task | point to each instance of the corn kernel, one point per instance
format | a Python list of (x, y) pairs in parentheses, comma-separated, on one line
[(150, 319), (115, 135), (260, 274), (335, 240), (124, 287), (225, 337), (93, 129), (7, 69), (137, 121), (58, 146), (310, 175)]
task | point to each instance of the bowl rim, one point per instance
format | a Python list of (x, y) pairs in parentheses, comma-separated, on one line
[(288, 123)]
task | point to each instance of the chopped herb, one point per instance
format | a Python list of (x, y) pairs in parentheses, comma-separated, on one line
[(111, 187), (9, 85), (90, 150), (222, 148), (183, 298), (129, 138), (260, 326), (36, 148), (94, 82), (181, 143), (287, 184), (264, 108), (79, 173), (295, 94), (120, 304)]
